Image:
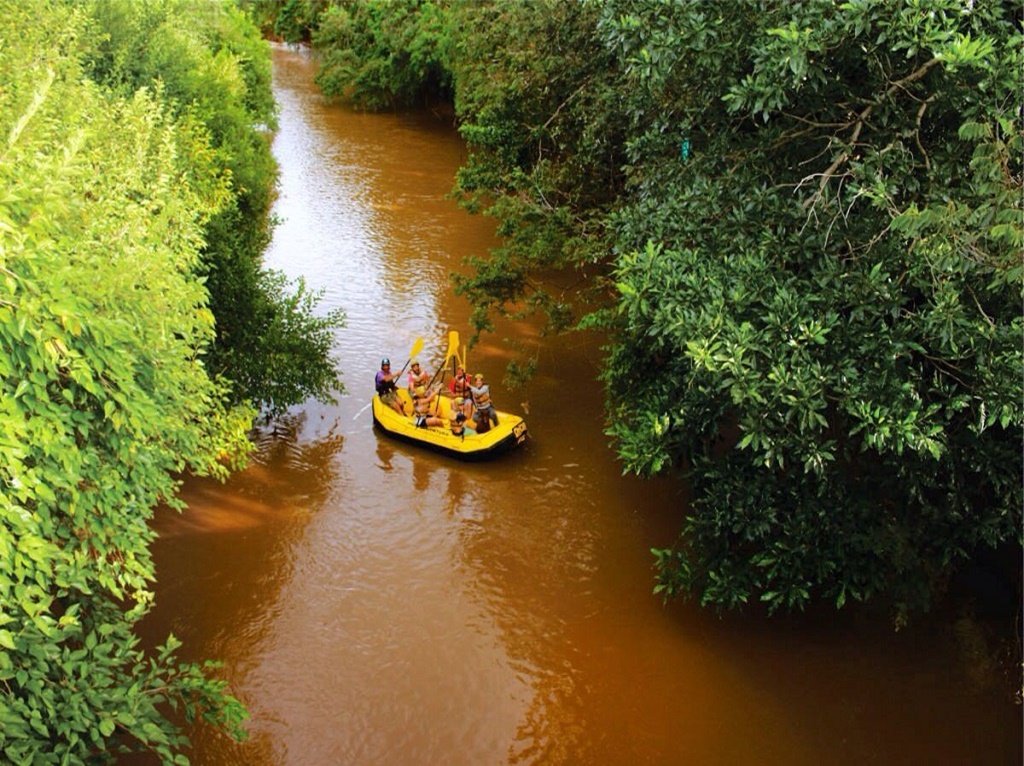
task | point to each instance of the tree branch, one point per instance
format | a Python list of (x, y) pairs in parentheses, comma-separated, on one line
[(858, 125)]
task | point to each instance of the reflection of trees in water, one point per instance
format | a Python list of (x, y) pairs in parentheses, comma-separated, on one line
[(307, 467), (553, 727), (221, 563), (544, 736), (553, 554)]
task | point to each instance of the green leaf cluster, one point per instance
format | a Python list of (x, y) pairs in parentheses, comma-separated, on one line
[(820, 309), (105, 196), (384, 55), (210, 65), (536, 94), (292, 21)]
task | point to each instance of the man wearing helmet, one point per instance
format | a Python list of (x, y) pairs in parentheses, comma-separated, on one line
[(386, 389)]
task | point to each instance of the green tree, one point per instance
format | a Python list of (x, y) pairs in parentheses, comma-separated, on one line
[(210, 63), (381, 55), (292, 21), (104, 398), (537, 97), (291, 361), (820, 305)]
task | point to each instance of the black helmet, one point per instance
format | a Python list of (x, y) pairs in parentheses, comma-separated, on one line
[(385, 361)]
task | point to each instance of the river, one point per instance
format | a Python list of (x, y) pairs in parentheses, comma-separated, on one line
[(377, 604)]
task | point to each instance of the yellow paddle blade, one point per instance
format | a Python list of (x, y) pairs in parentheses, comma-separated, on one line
[(453, 345), (416, 348)]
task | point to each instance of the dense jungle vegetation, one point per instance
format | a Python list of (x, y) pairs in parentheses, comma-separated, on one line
[(139, 336), (800, 225)]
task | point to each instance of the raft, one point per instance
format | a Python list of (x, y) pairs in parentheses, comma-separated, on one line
[(508, 434)]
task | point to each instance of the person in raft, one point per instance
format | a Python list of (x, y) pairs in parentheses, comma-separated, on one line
[(482, 400), (386, 389), (459, 389), (417, 377), (421, 408), (458, 419)]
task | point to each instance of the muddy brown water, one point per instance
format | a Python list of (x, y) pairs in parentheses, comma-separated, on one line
[(377, 604)]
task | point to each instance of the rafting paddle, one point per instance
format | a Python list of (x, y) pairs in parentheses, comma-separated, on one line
[(453, 350), (416, 348), (453, 345)]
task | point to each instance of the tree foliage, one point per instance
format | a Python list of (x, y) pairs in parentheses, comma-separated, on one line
[(292, 21), (806, 218), (106, 194), (820, 307), (211, 64), (379, 55), (546, 140)]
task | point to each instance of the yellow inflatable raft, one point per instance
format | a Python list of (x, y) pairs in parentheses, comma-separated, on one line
[(509, 433)]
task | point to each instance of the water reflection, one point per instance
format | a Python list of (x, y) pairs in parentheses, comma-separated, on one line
[(421, 471), (385, 452)]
